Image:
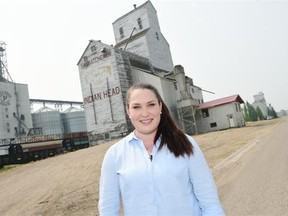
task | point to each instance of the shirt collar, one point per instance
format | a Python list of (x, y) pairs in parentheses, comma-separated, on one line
[(132, 138)]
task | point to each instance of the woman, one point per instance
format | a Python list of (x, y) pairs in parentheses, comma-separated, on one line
[(157, 169)]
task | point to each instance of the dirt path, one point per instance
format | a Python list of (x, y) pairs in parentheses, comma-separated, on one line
[(63, 185), (68, 184)]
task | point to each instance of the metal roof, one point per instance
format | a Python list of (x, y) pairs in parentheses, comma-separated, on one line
[(45, 109), (221, 101), (72, 109)]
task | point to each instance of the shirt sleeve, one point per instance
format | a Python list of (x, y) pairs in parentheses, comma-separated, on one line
[(203, 184), (109, 191)]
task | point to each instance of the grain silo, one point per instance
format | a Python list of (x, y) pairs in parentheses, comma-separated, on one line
[(74, 120), (49, 120)]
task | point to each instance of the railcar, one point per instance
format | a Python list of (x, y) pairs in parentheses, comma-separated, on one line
[(26, 149)]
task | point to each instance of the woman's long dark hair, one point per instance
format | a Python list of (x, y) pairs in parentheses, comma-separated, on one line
[(171, 135)]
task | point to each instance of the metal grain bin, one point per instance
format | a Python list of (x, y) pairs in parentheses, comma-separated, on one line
[(49, 120), (74, 120)]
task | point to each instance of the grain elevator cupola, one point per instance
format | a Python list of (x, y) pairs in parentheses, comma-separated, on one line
[(138, 31)]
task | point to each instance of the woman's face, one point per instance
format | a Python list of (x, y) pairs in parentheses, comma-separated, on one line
[(144, 111)]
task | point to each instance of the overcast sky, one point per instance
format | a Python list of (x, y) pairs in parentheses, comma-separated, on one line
[(227, 47)]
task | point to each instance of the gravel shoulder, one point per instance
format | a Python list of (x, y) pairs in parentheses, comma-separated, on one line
[(68, 184)]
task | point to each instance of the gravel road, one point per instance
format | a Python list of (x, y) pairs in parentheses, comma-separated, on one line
[(259, 185)]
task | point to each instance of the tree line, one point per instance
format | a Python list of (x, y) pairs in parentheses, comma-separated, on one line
[(255, 114)]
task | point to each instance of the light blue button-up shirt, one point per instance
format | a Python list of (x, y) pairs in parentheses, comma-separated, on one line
[(165, 186)]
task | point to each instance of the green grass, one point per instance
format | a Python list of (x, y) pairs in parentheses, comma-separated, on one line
[(8, 167)]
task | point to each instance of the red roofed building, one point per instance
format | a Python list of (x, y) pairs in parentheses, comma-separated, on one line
[(222, 113)]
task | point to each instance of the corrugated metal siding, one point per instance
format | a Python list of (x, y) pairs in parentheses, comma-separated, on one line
[(49, 121), (74, 122)]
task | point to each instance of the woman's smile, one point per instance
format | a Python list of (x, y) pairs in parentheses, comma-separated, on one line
[(146, 121)]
